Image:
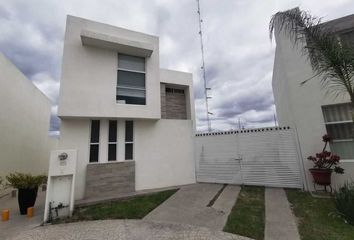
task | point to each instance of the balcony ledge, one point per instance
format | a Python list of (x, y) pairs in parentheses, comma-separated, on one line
[(125, 46)]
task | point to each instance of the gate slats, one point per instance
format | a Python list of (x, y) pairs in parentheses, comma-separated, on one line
[(269, 158)]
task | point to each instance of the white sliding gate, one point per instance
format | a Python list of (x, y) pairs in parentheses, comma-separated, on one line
[(265, 157)]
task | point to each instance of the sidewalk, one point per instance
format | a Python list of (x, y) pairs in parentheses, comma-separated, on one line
[(189, 206), (280, 222)]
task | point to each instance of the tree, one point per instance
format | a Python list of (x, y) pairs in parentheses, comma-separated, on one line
[(332, 59)]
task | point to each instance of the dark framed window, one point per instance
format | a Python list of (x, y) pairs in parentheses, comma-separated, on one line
[(129, 140), (112, 140), (112, 152), (174, 90), (94, 140), (131, 80)]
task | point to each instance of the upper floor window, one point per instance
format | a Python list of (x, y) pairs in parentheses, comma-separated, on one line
[(339, 125), (131, 80)]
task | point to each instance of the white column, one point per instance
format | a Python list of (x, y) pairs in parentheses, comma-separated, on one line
[(103, 152), (121, 140)]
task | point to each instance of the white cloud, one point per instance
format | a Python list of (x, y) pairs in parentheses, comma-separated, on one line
[(238, 54)]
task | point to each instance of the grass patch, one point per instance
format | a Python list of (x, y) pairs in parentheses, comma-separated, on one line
[(248, 214), (317, 217), (132, 208)]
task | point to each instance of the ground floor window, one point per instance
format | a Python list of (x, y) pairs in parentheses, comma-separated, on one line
[(112, 140), (339, 125), (94, 140), (129, 132)]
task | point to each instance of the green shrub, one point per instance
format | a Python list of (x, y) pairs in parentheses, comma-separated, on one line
[(25, 181), (344, 200)]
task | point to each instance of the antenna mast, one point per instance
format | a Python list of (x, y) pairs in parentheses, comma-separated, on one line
[(206, 89)]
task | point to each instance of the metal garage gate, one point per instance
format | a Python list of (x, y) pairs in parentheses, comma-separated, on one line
[(265, 157)]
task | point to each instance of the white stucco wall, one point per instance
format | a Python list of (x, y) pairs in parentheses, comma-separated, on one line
[(75, 134), (299, 106), (164, 153), (89, 74), (24, 123)]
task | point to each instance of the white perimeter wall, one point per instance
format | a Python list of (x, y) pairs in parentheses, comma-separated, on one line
[(163, 151), (24, 123)]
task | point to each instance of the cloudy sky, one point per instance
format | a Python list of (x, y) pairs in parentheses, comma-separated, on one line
[(238, 53)]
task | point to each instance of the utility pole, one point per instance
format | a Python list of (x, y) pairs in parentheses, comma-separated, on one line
[(206, 89)]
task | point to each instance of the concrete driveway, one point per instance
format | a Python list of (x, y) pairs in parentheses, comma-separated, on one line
[(124, 230), (185, 215), (189, 206)]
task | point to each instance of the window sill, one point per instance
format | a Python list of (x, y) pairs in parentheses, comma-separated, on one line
[(347, 161), (129, 104), (110, 162)]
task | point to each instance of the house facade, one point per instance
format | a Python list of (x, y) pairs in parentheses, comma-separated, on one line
[(24, 123), (131, 122), (308, 108)]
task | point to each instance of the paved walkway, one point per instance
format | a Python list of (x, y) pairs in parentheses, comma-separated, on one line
[(280, 222), (184, 215), (125, 230), (189, 206), (19, 222)]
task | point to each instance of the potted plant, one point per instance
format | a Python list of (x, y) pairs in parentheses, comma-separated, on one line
[(324, 164), (27, 186)]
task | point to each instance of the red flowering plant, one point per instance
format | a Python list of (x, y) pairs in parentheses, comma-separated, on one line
[(325, 159)]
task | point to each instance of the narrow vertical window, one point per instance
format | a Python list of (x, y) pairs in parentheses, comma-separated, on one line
[(94, 140), (112, 140), (129, 132)]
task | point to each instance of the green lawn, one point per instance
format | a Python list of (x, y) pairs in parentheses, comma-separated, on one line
[(132, 208), (248, 214), (317, 218)]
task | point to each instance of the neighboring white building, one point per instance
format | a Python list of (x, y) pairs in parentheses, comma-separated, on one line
[(131, 122), (24, 123), (307, 108)]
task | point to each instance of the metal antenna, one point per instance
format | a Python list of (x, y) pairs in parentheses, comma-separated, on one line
[(206, 89)]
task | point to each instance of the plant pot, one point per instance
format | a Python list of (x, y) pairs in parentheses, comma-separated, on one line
[(26, 198), (321, 176)]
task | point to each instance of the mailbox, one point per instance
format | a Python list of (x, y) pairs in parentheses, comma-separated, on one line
[(61, 184)]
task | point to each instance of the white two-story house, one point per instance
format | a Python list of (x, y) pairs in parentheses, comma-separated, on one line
[(131, 122), (308, 108)]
